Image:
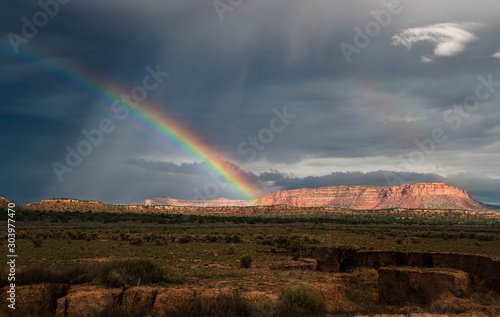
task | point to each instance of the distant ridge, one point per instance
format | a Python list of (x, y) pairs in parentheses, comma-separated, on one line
[(491, 207), (220, 202), (413, 196), (422, 196), (4, 203)]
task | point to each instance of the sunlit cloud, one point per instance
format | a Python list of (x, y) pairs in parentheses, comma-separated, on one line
[(449, 38)]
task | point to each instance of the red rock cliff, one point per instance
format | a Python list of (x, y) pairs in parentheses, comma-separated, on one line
[(422, 195)]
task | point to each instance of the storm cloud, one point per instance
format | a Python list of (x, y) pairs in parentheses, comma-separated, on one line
[(417, 94)]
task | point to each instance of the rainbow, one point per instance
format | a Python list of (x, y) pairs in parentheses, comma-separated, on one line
[(164, 129)]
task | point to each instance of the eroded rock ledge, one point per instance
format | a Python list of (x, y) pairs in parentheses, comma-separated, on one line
[(481, 268)]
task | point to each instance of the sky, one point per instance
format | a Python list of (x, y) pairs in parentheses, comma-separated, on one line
[(289, 93)]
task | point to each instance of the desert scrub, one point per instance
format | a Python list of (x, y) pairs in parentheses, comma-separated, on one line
[(184, 239), (136, 241), (259, 236), (246, 261), (485, 237), (123, 272), (37, 241), (307, 238), (222, 305), (299, 300), (364, 288), (133, 272)]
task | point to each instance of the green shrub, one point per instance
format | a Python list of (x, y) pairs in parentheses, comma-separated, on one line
[(246, 261), (222, 305), (136, 241), (296, 246), (267, 241), (184, 239), (484, 237), (233, 238), (282, 241), (37, 241), (307, 238), (131, 271), (22, 235), (316, 241), (37, 274), (299, 300), (259, 236), (112, 273)]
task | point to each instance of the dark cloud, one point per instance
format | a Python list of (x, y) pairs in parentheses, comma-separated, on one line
[(226, 77), (166, 167)]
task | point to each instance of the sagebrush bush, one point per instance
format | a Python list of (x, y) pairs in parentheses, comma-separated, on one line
[(246, 261), (484, 237), (299, 300), (307, 238), (37, 241), (128, 271), (266, 241), (222, 305), (184, 239), (136, 241)]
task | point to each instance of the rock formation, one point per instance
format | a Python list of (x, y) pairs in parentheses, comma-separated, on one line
[(482, 269), (220, 202), (410, 286), (413, 196), (4, 203)]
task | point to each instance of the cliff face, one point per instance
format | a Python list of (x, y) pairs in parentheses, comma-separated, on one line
[(221, 202), (4, 203), (422, 195), (66, 204)]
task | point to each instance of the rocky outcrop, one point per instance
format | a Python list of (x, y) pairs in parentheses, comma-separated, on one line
[(4, 203), (220, 202), (410, 286), (33, 300), (66, 204), (156, 205), (414, 196), (482, 269), (136, 300), (87, 301)]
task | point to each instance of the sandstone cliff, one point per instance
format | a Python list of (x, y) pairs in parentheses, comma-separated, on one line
[(4, 203), (422, 195)]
